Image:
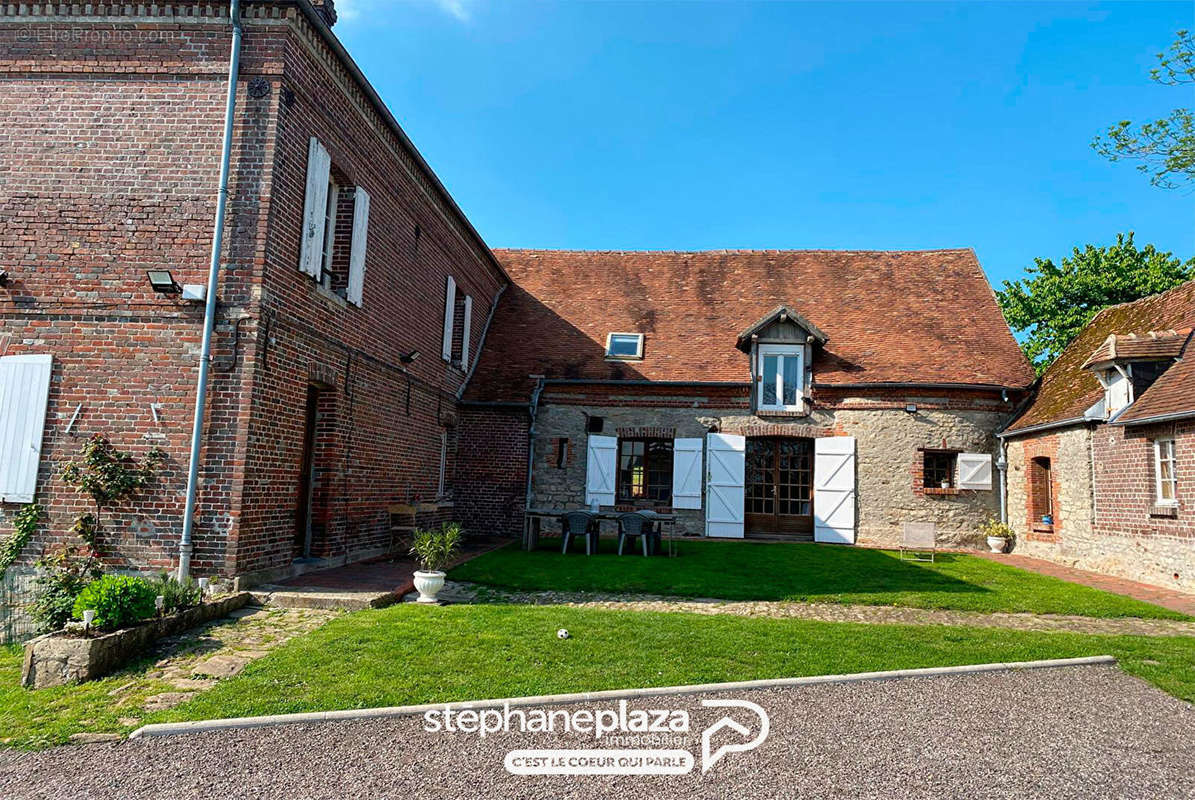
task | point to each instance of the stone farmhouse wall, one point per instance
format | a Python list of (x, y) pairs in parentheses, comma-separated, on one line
[(114, 116), (890, 444), (1106, 520)]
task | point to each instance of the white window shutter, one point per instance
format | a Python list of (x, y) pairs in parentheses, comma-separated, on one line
[(725, 485), (599, 470), (24, 392), (315, 206), (686, 473), (974, 471), (356, 287), (465, 340), (834, 489), (449, 311)]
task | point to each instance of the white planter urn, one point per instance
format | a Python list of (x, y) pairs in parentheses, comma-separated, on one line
[(429, 583), (995, 543)]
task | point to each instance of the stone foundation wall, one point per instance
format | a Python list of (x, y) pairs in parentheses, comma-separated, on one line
[(890, 449)]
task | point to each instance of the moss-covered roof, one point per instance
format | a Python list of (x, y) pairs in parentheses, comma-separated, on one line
[(1066, 389)]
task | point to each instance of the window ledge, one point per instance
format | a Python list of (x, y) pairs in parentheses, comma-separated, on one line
[(330, 296), (1167, 510), (940, 492), (782, 412), (1041, 527)]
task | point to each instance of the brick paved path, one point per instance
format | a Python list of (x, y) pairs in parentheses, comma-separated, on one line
[(1167, 598)]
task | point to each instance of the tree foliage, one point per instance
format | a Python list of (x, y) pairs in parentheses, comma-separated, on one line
[(1053, 303), (1164, 147)]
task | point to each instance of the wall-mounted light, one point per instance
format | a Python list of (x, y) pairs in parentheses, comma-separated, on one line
[(409, 357), (161, 281), (4, 279), (911, 408)]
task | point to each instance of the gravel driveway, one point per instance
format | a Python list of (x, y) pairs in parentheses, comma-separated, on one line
[(1075, 732)]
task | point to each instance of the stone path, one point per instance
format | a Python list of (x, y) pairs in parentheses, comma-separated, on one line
[(458, 592), (1167, 598), (197, 659)]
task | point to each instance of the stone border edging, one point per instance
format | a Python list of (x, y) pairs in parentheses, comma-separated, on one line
[(201, 726)]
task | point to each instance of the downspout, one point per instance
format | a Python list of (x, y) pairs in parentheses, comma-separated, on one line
[(1002, 468), (209, 314), (532, 410)]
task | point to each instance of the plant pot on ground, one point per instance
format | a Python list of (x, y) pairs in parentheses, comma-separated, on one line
[(434, 550), (1000, 535)]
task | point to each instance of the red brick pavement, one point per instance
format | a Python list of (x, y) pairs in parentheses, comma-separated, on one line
[(1167, 598)]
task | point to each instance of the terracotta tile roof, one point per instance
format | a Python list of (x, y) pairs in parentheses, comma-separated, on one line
[(889, 317), (1152, 346), (1067, 390), (1172, 393)]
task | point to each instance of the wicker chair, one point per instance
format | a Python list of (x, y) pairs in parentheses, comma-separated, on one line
[(579, 523)]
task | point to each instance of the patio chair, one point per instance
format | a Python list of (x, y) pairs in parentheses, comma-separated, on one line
[(632, 525), (919, 538), (579, 523)]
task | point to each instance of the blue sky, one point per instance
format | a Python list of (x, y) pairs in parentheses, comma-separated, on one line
[(701, 125)]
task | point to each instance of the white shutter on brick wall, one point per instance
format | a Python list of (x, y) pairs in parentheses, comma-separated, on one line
[(466, 333), (599, 470), (834, 489), (315, 206), (24, 392), (449, 311), (974, 471), (356, 287), (686, 473)]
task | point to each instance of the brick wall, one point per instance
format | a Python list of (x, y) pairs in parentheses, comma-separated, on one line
[(113, 170), (1113, 528), (491, 470)]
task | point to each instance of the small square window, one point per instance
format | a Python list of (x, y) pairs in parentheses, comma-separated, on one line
[(938, 470), (625, 346)]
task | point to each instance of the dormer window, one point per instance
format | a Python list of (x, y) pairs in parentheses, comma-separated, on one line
[(624, 346), (780, 375)]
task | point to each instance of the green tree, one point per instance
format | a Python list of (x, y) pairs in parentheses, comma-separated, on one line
[(1053, 303), (1165, 147)]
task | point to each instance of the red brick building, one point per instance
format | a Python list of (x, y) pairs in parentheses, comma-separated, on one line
[(318, 424), (1100, 461)]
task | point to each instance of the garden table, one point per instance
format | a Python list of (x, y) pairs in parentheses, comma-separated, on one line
[(534, 517)]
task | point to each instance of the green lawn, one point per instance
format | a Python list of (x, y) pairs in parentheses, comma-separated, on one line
[(415, 654), (803, 572)]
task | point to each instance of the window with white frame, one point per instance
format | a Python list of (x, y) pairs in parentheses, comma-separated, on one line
[(1165, 472), (780, 375), (624, 346)]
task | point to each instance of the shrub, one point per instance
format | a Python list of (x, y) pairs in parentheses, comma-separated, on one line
[(177, 595), (118, 600), (62, 575), (435, 549)]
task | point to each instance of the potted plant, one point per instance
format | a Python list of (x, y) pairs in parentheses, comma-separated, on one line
[(434, 550), (1000, 535)]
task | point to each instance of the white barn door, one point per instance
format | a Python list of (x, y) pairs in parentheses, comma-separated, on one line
[(724, 485), (599, 470), (834, 490)]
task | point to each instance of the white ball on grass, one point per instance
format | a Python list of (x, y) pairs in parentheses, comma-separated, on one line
[(562, 634)]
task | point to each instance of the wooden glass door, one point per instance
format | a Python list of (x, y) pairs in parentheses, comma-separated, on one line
[(779, 486)]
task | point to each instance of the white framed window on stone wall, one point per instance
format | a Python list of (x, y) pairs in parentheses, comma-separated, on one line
[(780, 375), (1165, 472)]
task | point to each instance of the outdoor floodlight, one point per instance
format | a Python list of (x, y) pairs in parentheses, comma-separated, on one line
[(162, 281), (409, 357)]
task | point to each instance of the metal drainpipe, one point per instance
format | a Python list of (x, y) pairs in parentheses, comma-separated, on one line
[(213, 277), (1002, 468), (533, 409)]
